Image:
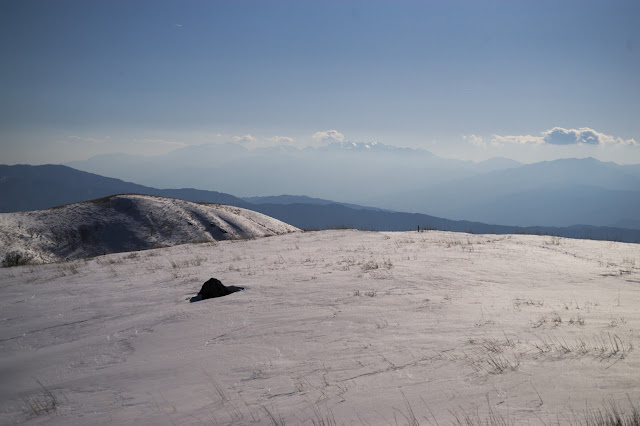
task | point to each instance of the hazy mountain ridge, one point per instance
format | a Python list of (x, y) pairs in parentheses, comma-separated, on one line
[(497, 190), (307, 216), (579, 191), (563, 206), (371, 147), (301, 199), (26, 188), (346, 172), (295, 210), (127, 223)]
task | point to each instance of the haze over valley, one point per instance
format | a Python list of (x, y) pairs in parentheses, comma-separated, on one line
[(562, 192)]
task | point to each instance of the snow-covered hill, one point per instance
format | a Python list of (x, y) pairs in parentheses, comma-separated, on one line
[(334, 327), (126, 223)]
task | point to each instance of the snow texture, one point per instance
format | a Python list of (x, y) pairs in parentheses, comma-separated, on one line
[(345, 326), (123, 223)]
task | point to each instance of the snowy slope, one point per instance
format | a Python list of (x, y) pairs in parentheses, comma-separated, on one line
[(345, 326), (125, 223)]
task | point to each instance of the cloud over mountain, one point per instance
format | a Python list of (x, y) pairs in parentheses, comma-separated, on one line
[(475, 140), (518, 139), (280, 139), (328, 136), (583, 135), (245, 138), (559, 136)]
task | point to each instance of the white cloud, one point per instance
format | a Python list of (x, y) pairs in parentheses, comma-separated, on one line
[(475, 140), (244, 139), (281, 139), (518, 139), (329, 135), (583, 135), (559, 136)]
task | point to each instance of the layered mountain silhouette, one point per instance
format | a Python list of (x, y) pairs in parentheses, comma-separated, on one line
[(552, 193), (26, 188), (556, 193), (347, 172)]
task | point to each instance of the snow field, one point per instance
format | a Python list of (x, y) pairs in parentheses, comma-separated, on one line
[(345, 326)]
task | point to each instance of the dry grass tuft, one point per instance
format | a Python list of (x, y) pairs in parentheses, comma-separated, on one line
[(43, 403)]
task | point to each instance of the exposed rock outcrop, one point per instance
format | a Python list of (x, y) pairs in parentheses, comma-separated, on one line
[(214, 288)]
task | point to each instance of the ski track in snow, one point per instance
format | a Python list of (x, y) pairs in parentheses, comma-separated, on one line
[(358, 327)]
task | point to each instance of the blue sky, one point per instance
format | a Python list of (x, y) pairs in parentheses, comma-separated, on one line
[(529, 80)]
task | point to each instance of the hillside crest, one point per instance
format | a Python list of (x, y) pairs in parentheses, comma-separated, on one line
[(129, 222)]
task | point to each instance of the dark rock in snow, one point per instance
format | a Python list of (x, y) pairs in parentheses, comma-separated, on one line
[(214, 288)]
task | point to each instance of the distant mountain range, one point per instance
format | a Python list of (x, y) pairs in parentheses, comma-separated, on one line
[(347, 172), (27, 188), (303, 199), (556, 193), (553, 193)]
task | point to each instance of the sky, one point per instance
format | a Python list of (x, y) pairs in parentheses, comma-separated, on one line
[(528, 80)]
